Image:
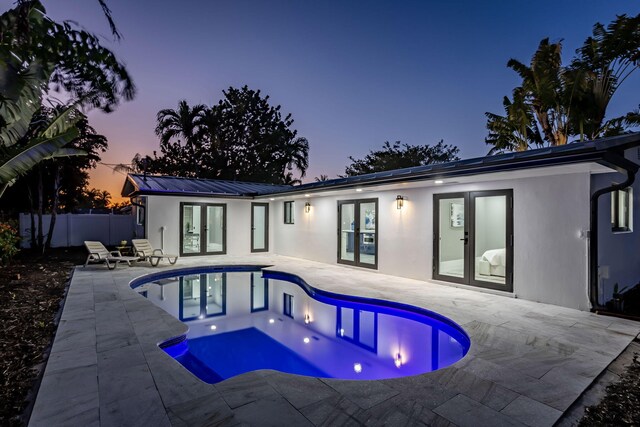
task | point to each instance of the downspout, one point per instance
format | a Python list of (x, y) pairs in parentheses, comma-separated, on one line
[(630, 169), (139, 206)]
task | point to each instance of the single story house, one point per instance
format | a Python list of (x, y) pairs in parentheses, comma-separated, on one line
[(554, 225)]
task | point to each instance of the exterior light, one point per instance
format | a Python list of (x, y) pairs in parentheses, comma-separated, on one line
[(307, 195), (306, 340), (307, 207), (438, 181), (307, 318), (272, 199), (399, 201), (398, 360), (272, 321), (201, 317), (358, 189), (214, 327), (341, 332), (357, 368)]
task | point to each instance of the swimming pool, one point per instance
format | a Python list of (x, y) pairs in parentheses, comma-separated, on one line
[(244, 318)]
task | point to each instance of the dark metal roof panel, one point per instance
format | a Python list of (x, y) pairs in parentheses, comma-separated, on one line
[(153, 184)]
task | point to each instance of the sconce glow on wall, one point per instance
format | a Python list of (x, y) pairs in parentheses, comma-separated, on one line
[(399, 202), (307, 207)]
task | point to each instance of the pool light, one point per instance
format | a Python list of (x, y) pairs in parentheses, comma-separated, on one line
[(398, 360), (306, 340), (357, 368)]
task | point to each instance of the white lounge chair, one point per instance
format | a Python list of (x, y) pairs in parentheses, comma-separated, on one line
[(98, 253), (143, 249)]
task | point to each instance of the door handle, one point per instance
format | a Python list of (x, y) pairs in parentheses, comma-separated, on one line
[(466, 240)]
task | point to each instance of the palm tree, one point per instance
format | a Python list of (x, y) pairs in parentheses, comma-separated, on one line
[(544, 89), (185, 123), (562, 103), (517, 130)]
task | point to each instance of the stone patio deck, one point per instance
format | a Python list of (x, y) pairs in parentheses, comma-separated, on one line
[(527, 364)]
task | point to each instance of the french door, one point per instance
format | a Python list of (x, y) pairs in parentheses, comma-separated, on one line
[(259, 227), (203, 229), (357, 232), (473, 238)]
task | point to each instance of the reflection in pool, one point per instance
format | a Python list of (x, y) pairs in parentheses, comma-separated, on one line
[(243, 319)]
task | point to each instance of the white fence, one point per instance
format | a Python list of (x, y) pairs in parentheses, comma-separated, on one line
[(74, 229)]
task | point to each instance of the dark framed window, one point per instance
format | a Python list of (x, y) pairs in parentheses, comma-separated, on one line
[(140, 210), (289, 208), (287, 308), (621, 205)]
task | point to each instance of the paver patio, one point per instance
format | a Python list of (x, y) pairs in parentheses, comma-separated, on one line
[(528, 362)]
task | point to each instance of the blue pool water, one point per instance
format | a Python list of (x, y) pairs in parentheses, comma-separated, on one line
[(243, 319)]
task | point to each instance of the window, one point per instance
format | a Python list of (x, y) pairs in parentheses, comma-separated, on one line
[(621, 202), (289, 208), (140, 211), (287, 310)]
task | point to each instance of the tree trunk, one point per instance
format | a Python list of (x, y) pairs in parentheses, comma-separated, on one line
[(40, 243), (54, 206)]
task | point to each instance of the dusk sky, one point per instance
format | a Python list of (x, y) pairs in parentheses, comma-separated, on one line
[(353, 74)]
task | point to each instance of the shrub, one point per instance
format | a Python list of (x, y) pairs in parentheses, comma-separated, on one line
[(9, 240)]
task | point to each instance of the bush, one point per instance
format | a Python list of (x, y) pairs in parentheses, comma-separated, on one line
[(9, 240)]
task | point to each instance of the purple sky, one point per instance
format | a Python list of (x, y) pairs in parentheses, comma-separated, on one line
[(353, 74)]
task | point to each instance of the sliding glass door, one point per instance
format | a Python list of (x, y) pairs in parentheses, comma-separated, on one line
[(357, 232), (203, 229), (473, 238)]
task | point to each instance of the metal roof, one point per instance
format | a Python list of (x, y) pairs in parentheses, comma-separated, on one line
[(171, 185), (594, 151), (590, 151)]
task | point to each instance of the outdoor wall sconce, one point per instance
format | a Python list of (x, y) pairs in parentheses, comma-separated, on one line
[(307, 207), (307, 318), (399, 202)]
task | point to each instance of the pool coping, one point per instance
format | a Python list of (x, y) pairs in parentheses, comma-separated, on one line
[(528, 362)]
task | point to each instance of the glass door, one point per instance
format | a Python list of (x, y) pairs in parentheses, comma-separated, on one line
[(491, 245), (357, 232), (191, 227), (473, 238), (259, 227), (451, 237), (216, 219), (346, 230), (203, 229)]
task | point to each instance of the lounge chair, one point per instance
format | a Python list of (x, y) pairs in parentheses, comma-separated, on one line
[(98, 253), (143, 249)]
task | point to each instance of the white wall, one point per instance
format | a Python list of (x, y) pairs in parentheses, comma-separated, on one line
[(550, 257), (165, 211), (74, 229), (618, 252)]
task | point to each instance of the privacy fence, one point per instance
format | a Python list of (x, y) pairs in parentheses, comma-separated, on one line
[(74, 229)]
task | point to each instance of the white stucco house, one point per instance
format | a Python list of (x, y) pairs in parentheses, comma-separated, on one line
[(554, 225)]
